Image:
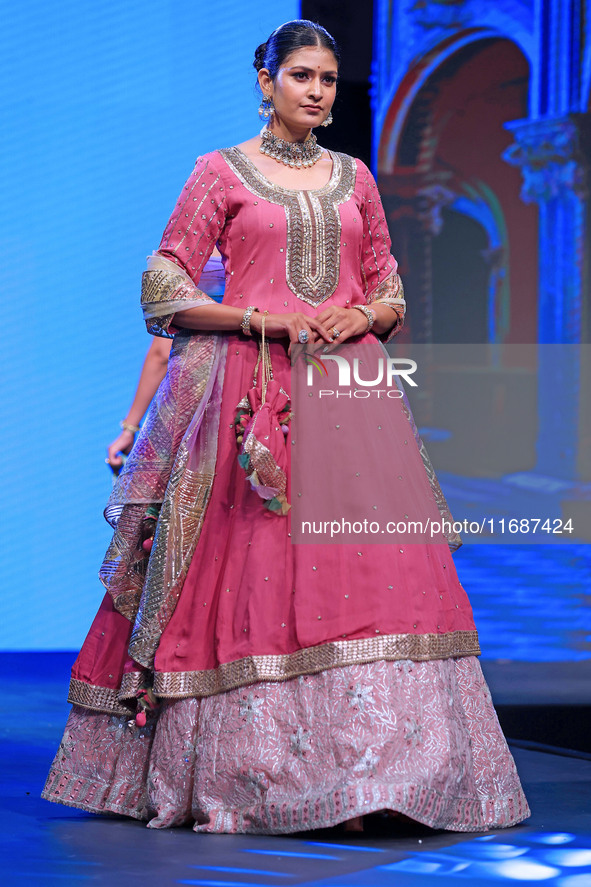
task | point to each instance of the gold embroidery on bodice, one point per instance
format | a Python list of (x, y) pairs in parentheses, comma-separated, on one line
[(312, 256)]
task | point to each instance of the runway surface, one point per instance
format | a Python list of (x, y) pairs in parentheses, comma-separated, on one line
[(50, 845)]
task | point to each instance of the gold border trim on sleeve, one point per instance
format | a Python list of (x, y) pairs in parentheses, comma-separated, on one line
[(389, 288)]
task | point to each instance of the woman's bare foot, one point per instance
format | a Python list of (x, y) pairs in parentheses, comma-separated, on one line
[(354, 825), (401, 817)]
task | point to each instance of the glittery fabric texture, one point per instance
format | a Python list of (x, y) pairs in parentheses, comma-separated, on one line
[(419, 738), (172, 464), (389, 292)]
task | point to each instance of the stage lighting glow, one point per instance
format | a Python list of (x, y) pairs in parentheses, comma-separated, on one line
[(574, 881), (485, 859), (553, 838), (494, 851), (526, 870), (570, 858)]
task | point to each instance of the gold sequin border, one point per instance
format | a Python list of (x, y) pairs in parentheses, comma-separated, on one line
[(312, 660), (274, 668), (97, 698)]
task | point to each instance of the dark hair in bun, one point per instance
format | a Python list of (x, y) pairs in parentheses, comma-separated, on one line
[(259, 56), (289, 37)]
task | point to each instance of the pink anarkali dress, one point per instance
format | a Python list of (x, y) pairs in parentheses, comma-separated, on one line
[(298, 685)]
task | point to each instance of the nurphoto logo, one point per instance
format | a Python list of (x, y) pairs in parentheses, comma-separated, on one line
[(385, 371)]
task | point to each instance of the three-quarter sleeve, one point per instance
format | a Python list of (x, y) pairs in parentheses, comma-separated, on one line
[(170, 283), (379, 267)]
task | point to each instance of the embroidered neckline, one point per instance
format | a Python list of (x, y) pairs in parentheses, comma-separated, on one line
[(268, 183), (312, 252)]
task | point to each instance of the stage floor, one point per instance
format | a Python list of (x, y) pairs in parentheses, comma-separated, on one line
[(49, 845)]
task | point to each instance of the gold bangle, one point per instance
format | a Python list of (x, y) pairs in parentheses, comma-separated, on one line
[(127, 426), (369, 314), (245, 323)]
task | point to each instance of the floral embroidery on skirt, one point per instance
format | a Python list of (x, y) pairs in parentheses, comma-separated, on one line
[(421, 738)]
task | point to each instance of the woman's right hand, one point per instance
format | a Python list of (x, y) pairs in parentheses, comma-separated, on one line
[(289, 325), (121, 444)]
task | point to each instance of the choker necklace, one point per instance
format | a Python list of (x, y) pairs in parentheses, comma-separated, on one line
[(294, 154)]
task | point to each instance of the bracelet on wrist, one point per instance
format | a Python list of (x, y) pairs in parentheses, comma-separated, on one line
[(245, 323), (370, 315), (127, 426)]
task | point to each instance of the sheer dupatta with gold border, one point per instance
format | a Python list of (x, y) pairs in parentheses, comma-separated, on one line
[(172, 463)]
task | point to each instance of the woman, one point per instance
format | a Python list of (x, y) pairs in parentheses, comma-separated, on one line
[(279, 687)]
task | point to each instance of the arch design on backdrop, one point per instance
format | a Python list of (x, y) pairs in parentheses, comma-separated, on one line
[(442, 153), (481, 204), (397, 104), (537, 220)]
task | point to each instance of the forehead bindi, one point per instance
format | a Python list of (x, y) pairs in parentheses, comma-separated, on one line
[(312, 58)]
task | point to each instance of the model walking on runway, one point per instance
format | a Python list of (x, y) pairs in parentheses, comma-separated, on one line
[(233, 680)]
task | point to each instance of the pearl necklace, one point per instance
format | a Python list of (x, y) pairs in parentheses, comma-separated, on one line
[(294, 154)]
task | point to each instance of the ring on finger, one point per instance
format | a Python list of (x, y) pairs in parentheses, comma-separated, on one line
[(336, 333), (303, 337)]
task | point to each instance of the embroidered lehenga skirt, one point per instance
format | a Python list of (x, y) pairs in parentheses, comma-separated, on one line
[(299, 685)]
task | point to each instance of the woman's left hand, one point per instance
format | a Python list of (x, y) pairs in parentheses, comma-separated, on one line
[(347, 322)]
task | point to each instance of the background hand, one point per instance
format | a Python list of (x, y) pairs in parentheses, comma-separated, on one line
[(121, 444)]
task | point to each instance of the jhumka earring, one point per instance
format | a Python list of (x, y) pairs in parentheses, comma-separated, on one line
[(328, 120), (266, 107)]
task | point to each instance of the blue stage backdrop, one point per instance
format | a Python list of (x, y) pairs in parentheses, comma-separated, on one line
[(105, 107)]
